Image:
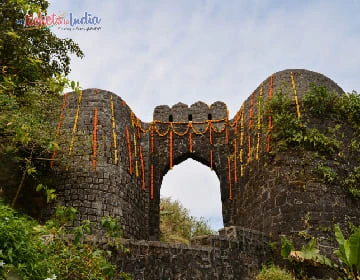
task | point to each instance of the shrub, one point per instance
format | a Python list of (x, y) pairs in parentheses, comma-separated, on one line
[(273, 272)]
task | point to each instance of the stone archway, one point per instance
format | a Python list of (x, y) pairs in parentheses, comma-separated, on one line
[(197, 188), (198, 132)]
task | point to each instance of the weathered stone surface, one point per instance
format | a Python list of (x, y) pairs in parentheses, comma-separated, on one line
[(272, 194)]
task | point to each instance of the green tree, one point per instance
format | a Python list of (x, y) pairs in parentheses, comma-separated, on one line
[(33, 65), (177, 225)]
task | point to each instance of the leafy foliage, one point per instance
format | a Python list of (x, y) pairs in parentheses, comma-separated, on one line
[(176, 224), (273, 272), (352, 182), (33, 63), (348, 254), (38, 252)]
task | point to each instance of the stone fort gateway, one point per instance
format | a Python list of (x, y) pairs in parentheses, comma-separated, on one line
[(111, 163)]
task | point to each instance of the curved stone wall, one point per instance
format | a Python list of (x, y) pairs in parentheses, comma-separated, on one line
[(112, 163)]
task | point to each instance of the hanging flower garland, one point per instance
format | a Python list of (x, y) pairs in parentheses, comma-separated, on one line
[(242, 163), (235, 159), (58, 129), (129, 149), (229, 177), (171, 148), (259, 122), (226, 136), (295, 95), (71, 146), (242, 134), (251, 110), (152, 139), (136, 169), (142, 169), (190, 138), (135, 144), (249, 149), (211, 160), (94, 138), (113, 125), (268, 148), (210, 131), (152, 181)]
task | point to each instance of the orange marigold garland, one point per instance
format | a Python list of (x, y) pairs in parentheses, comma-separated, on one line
[(129, 149), (190, 139), (135, 144), (211, 159), (235, 159), (58, 129), (171, 148), (142, 168), (242, 134), (268, 148), (226, 135), (259, 123), (229, 177), (94, 138), (210, 133), (152, 181), (152, 138)]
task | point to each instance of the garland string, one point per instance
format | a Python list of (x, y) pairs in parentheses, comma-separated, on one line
[(249, 149), (235, 159), (152, 139), (113, 124), (136, 169), (171, 148), (190, 139), (268, 148), (129, 149), (259, 123), (152, 181), (210, 133), (94, 138), (295, 95), (229, 177), (226, 136), (142, 168)]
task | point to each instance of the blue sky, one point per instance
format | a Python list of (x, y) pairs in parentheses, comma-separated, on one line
[(161, 52)]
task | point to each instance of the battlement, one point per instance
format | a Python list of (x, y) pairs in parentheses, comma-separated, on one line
[(197, 112)]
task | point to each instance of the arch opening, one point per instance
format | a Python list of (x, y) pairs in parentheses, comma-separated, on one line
[(197, 188)]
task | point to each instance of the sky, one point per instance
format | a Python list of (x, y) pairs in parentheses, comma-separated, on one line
[(153, 53)]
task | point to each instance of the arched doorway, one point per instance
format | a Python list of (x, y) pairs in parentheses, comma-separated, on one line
[(197, 187)]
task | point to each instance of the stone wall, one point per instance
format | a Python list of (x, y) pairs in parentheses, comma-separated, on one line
[(236, 254), (116, 166)]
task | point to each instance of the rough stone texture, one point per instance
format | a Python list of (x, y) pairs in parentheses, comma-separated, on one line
[(236, 254), (261, 191)]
